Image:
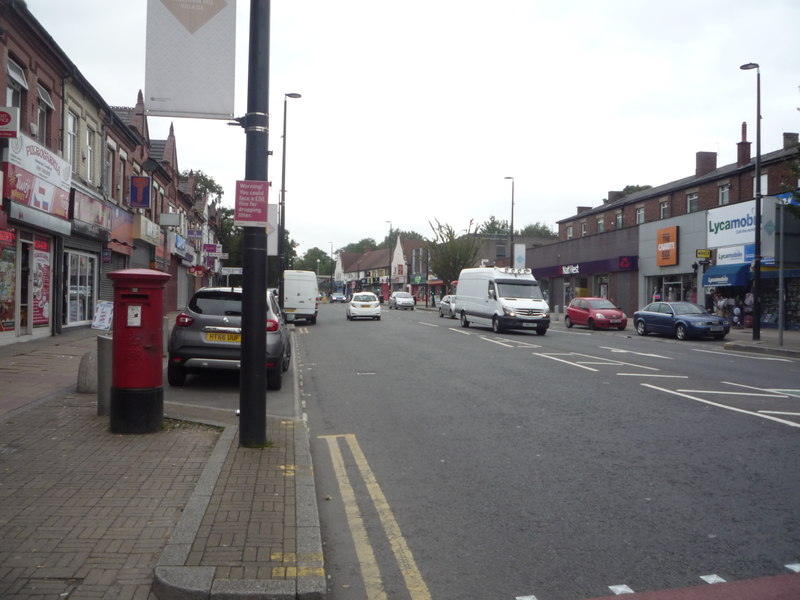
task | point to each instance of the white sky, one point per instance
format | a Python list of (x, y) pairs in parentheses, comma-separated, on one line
[(414, 111)]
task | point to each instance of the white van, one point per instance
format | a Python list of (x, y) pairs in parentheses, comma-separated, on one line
[(501, 298), (300, 295)]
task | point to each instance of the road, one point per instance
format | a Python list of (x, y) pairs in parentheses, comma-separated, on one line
[(459, 463)]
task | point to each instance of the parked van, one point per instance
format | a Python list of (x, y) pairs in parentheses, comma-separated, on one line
[(501, 298), (300, 295)]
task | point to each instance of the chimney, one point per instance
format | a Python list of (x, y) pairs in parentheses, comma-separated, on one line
[(790, 140), (743, 149), (614, 196), (583, 209), (705, 162)]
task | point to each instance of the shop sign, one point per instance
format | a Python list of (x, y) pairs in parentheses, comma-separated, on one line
[(704, 253), (667, 246), (570, 269), (147, 230), (9, 121), (36, 177), (251, 204), (91, 210)]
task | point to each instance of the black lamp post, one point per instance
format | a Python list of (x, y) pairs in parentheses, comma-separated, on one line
[(282, 254), (757, 257)]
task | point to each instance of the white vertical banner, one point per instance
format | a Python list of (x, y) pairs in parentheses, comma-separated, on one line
[(519, 256), (190, 60)]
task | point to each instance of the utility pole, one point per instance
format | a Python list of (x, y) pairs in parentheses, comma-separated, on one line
[(253, 376)]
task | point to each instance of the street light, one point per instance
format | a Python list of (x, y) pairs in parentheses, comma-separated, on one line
[(330, 283), (389, 270), (511, 252), (282, 258), (757, 257)]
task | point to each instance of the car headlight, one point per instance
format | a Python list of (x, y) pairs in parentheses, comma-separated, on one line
[(599, 316), (509, 312)]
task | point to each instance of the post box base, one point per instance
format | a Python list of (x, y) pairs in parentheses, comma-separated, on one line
[(137, 410)]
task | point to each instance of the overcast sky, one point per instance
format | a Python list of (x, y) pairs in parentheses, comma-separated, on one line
[(414, 111)]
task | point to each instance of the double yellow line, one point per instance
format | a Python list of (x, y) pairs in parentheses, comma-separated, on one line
[(370, 571)]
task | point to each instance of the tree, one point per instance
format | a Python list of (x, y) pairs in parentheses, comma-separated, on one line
[(391, 239), (537, 230), (309, 261), (358, 247), (204, 185), (494, 226), (451, 252)]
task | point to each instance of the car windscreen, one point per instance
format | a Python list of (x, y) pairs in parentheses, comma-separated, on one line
[(364, 298), (601, 304), (402, 295), (519, 289), (687, 308), (217, 304)]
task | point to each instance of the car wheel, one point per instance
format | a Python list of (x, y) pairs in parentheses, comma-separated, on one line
[(680, 331), (441, 314), (377, 318), (719, 336), (568, 322), (464, 322), (496, 325), (590, 324), (412, 308), (275, 380), (176, 375), (622, 328), (312, 320), (541, 330), (641, 328)]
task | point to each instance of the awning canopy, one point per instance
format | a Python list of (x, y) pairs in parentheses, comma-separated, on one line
[(725, 275)]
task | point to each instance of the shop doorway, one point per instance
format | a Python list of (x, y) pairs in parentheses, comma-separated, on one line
[(25, 299)]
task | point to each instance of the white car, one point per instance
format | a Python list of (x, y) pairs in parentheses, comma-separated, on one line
[(364, 305), (402, 300)]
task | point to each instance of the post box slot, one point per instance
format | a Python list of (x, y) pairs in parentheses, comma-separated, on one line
[(135, 296)]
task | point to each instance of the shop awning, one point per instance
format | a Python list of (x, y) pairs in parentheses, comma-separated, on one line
[(726, 275)]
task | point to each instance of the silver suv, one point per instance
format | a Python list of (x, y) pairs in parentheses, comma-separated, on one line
[(207, 334)]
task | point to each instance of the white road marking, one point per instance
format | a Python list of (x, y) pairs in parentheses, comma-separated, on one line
[(778, 412), (750, 387), (732, 408), (749, 355), (622, 350), (653, 375), (569, 362), (727, 393), (618, 590), (794, 567), (712, 578), (496, 342), (457, 330)]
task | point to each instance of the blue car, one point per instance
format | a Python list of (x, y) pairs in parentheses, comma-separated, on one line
[(684, 320)]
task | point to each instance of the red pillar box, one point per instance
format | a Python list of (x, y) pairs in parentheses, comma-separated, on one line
[(137, 384)]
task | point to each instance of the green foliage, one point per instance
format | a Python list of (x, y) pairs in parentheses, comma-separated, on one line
[(358, 247), (494, 226), (204, 185), (390, 241), (308, 262), (537, 230), (451, 252)]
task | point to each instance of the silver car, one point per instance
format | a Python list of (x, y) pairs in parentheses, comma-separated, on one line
[(207, 334), (447, 307), (402, 300)]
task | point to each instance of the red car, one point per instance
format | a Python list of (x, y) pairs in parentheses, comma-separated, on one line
[(595, 313)]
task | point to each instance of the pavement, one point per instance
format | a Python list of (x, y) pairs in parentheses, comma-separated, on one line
[(185, 513)]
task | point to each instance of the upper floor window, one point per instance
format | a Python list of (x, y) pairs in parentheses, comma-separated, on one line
[(46, 108), (640, 215), (90, 141), (601, 224), (17, 84), (763, 185), (663, 210), (724, 194), (121, 181), (692, 202), (583, 228), (108, 171), (570, 232), (619, 220), (72, 140)]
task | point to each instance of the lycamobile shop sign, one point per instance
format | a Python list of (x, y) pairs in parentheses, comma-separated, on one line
[(731, 225)]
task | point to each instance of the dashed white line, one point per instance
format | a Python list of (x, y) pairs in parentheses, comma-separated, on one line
[(618, 590), (712, 578), (653, 375), (496, 342), (427, 324)]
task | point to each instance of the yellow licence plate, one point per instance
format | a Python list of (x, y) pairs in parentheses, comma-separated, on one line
[(223, 337)]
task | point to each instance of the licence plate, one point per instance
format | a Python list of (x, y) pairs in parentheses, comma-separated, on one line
[(529, 324), (365, 306), (716, 328), (614, 321), (289, 310), (224, 337)]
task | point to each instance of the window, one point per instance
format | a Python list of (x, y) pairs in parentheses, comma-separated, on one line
[(90, 136), (72, 141), (724, 194), (121, 181), (763, 185), (570, 232), (664, 210), (108, 171), (46, 108), (583, 228), (601, 224), (16, 84), (640, 215), (692, 202), (619, 220)]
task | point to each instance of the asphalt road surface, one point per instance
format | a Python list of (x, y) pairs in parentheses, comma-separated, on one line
[(460, 463)]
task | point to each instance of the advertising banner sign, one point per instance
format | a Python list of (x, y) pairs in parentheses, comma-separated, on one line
[(251, 204), (190, 58)]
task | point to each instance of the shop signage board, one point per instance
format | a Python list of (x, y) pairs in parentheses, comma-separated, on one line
[(37, 177), (9, 122)]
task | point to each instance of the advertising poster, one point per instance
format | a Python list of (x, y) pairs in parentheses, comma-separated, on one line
[(41, 282), (8, 279)]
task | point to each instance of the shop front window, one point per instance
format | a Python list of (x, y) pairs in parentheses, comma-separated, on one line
[(8, 279), (81, 272)]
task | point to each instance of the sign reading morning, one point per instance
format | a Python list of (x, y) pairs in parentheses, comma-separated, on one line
[(251, 204)]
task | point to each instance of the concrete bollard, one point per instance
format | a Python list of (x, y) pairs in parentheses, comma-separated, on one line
[(104, 362), (556, 309), (87, 373)]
